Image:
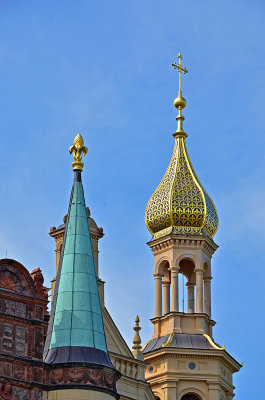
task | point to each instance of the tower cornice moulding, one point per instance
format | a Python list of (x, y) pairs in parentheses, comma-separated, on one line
[(178, 241)]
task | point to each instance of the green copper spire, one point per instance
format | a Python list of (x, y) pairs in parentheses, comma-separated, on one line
[(78, 319), (76, 331)]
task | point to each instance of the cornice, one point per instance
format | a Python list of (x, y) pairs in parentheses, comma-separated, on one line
[(170, 352), (56, 233), (5, 294), (204, 243)]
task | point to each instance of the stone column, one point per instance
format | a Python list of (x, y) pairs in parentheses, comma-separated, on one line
[(158, 295), (169, 391), (94, 243), (214, 391), (207, 296), (190, 289), (58, 254), (174, 290), (166, 296), (199, 290)]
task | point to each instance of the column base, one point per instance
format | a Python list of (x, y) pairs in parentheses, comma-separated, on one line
[(178, 322)]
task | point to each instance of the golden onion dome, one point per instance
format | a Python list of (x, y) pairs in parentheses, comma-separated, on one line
[(180, 204)]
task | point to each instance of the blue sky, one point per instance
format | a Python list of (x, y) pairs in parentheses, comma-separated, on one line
[(104, 69)]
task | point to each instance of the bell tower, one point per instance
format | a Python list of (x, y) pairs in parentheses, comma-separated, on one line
[(185, 362)]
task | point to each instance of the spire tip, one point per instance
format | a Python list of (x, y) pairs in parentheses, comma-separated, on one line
[(78, 149), (179, 101)]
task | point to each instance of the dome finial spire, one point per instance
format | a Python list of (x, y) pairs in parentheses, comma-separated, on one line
[(79, 149), (179, 101)]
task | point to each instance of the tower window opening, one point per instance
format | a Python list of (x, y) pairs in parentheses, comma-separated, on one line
[(186, 286), (183, 299), (166, 286), (190, 397)]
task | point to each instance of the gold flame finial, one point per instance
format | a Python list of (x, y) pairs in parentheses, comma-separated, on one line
[(179, 101), (78, 148)]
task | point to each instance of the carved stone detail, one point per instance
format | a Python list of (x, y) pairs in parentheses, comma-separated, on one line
[(7, 338), (38, 343), (19, 371), (39, 312), (6, 391), (12, 278), (84, 376), (21, 393), (41, 291)]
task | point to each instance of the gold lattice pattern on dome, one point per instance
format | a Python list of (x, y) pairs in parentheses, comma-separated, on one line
[(180, 204)]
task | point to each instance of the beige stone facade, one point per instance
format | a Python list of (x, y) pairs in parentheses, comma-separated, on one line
[(171, 378)]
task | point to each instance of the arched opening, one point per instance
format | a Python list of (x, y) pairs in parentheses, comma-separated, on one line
[(182, 288), (165, 272), (186, 285), (162, 288), (183, 297), (190, 396)]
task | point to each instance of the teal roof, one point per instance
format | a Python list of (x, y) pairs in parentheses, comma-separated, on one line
[(76, 317)]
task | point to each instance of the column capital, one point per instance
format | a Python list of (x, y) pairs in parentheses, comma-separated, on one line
[(198, 271), (174, 270), (208, 279), (214, 385), (157, 276), (174, 267)]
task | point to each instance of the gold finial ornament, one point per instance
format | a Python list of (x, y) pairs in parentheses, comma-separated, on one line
[(78, 149), (179, 101), (180, 204), (137, 339)]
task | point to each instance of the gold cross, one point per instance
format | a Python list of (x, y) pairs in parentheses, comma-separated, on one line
[(180, 70)]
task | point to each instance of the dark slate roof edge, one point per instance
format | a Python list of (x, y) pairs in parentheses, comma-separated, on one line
[(152, 345)]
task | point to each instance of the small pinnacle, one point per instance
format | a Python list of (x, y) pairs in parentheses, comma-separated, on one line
[(137, 339)]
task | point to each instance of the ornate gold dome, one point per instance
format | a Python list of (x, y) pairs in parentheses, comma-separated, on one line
[(180, 204)]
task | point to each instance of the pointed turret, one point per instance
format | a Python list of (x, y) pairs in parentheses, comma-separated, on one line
[(75, 337)]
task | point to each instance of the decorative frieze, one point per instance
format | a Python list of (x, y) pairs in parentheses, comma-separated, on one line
[(81, 376)]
